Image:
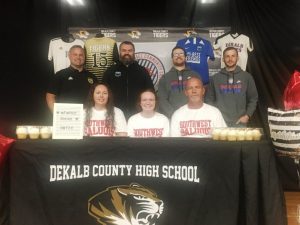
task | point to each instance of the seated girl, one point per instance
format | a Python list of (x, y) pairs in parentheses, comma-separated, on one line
[(102, 118), (148, 122)]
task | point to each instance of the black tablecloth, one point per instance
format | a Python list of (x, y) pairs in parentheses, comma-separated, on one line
[(108, 180)]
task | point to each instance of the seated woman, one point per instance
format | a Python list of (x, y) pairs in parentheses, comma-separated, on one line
[(148, 122), (102, 118)]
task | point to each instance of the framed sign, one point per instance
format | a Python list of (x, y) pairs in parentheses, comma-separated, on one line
[(68, 121)]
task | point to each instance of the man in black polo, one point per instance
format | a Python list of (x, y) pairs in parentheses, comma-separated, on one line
[(71, 85), (127, 79)]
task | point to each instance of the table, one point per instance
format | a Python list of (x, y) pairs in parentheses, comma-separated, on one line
[(165, 181)]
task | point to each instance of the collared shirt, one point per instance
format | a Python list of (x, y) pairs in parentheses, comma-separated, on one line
[(71, 86)]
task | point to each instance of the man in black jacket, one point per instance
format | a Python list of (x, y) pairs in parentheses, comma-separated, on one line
[(127, 79)]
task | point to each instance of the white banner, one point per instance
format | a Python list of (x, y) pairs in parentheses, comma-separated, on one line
[(154, 45)]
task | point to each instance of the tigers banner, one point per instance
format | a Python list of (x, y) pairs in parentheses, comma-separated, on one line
[(153, 46), (122, 181)]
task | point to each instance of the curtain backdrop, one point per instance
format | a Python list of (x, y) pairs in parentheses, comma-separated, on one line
[(28, 25)]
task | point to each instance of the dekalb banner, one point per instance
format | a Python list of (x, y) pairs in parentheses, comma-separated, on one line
[(154, 45), (126, 181)]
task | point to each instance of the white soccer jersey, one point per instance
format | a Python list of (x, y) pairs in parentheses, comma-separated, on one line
[(141, 127), (239, 41), (58, 52)]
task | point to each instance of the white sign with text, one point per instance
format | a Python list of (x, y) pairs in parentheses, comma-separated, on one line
[(68, 121)]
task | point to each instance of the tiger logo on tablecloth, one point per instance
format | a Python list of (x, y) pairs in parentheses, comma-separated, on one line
[(126, 205)]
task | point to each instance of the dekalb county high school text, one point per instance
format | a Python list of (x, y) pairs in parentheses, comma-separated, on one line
[(70, 172)]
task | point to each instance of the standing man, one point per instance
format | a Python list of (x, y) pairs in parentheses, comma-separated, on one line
[(71, 85), (172, 84), (195, 119), (127, 79), (233, 91)]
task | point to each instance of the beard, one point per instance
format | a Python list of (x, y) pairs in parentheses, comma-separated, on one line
[(230, 65), (179, 63), (127, 59)]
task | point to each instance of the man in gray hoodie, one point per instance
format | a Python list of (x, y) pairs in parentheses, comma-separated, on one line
[(172, 84), (233, 91)]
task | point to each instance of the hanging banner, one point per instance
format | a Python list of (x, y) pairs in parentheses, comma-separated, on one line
[(153, 46)]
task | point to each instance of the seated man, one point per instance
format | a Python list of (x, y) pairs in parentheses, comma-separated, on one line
[(195, 119)]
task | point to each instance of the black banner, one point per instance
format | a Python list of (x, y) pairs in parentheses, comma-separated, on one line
[(144, 181)]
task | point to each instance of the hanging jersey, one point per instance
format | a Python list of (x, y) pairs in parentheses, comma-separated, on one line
[(58, 52), (239, 41), (101, 53), (198, 51)]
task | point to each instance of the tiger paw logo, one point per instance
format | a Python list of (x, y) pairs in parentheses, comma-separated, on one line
[(83, 34), (135, 34), (126, 205), (189, 33)]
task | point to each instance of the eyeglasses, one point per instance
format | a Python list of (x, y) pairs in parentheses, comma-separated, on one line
[(178, 53)]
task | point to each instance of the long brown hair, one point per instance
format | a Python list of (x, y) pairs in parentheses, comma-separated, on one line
[(90, 103)]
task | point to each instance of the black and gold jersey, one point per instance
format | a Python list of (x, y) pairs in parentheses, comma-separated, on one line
[(101, 53)]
